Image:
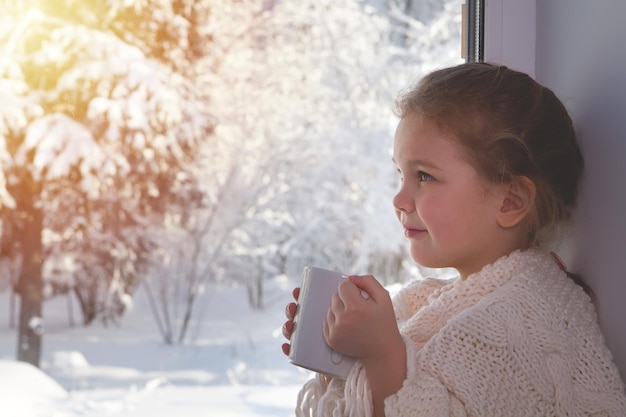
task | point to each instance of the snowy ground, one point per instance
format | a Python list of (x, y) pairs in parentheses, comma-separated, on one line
[(233, 368)]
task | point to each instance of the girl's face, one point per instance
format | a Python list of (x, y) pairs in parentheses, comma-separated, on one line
[(447, 209)]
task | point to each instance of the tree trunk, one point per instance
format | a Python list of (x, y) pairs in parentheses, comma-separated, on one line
[(30, 288), (259, 292)]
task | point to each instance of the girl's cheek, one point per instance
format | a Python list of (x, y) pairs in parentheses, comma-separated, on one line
[(429, 209)]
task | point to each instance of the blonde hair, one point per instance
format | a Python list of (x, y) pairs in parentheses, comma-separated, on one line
[(510, 126)]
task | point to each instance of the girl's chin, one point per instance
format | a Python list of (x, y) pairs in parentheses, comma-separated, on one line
[(424, 259)]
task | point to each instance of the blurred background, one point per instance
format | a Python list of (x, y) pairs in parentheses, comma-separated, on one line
[(164, 161)]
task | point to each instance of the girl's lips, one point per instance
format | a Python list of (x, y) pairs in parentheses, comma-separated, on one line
[(409, 233)]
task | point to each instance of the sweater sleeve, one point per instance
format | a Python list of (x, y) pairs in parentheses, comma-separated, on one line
[(422, 394), (469, 367)]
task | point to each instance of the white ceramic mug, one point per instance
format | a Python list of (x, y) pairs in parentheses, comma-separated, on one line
[(308, 345)]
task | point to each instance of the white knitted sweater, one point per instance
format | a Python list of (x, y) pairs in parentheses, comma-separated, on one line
[(518, 338)]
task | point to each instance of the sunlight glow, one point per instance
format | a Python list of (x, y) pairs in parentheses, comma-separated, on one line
[(25, 25), (24, 22)]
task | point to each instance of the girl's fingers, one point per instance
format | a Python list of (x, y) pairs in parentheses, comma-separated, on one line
[(290, 310), (326, 328), (368, 286), (288, 329), (336, 304)]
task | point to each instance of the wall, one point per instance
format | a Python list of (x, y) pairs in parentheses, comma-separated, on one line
[(578, 54)]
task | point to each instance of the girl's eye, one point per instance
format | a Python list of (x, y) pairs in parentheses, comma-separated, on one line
[(424, 176)]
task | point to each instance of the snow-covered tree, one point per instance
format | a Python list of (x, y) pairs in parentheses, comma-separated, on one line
[(98, 130), (308, 108), (299, 170), (182, 143)]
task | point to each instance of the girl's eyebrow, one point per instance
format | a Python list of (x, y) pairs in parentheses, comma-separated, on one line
[(419, 162)]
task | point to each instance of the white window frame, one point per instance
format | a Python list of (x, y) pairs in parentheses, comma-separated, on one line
[(510, 34)]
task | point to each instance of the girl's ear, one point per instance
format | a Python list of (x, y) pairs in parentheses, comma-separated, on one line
[(518, 200)]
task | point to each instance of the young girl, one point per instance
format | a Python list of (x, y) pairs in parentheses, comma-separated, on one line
[(489, 166)]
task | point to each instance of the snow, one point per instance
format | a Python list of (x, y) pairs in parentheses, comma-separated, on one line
[(234, 367), (58, 142), (26, 390)]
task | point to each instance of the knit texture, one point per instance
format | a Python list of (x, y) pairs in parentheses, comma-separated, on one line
[(518, 338)]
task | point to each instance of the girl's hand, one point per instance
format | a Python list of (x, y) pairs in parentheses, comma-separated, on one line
[(290, 312), (365, 328)]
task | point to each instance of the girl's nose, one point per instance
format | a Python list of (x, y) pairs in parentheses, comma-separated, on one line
[(402, 201)]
